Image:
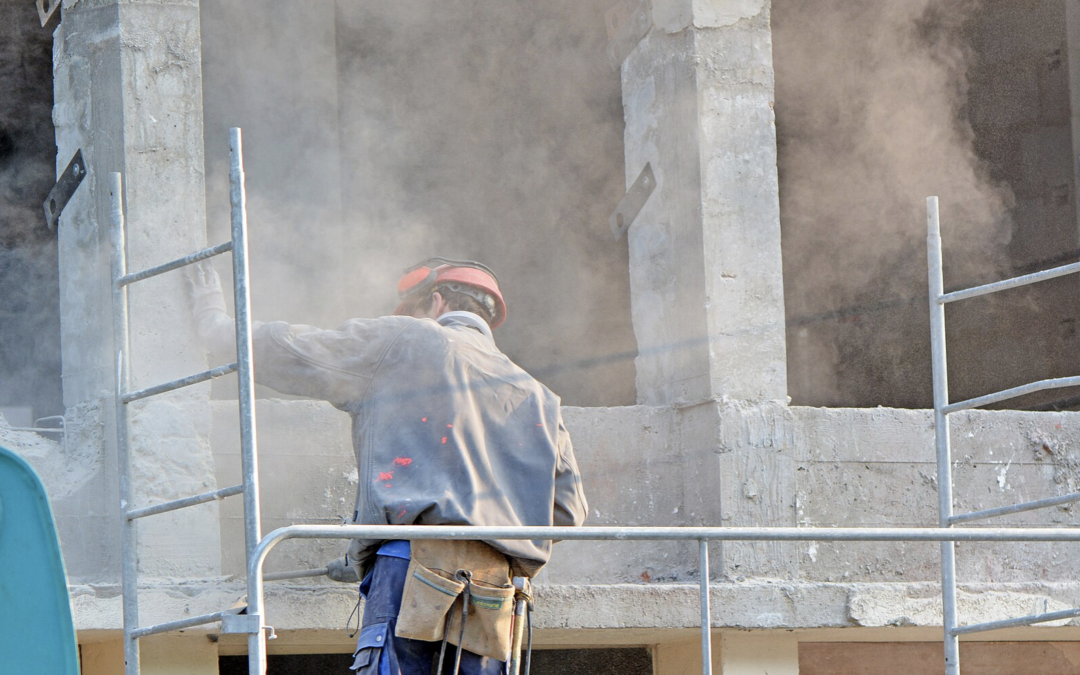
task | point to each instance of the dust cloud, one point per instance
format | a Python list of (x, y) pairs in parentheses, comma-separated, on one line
[(380, 134), (29, 273), (871, 120)]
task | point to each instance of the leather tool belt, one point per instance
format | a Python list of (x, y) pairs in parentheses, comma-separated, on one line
[(433, 591)]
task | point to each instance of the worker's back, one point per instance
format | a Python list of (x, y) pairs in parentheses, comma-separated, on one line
[(451, 431)]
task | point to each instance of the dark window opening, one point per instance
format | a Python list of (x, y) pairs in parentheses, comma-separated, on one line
[(621, 661), (30, 385)]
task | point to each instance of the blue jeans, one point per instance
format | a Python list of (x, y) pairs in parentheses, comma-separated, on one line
[(380, 652)]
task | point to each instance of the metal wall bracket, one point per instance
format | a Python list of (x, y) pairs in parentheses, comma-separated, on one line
[(68, 182), (632, 202), (46, 9), (240, 623), (628, 23)]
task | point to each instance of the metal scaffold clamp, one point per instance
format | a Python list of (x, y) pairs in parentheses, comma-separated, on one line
[(250, 624)]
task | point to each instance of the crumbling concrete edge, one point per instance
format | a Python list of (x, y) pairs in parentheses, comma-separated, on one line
[(751, 605)]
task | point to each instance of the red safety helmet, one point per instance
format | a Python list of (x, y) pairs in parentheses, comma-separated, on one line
[(418, 282)]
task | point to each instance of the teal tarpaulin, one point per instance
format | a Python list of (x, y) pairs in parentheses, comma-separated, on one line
[(36, 631)]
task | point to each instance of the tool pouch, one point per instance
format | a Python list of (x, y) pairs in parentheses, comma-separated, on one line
[(431, 592), (427, 597)]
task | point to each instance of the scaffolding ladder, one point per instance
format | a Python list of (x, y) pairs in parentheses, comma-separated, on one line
[(232, 620), (943, 408)]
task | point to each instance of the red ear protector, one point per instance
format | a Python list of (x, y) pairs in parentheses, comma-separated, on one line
[(421, 279)]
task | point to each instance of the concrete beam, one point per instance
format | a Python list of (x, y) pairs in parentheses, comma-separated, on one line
[(641, 613), (705, 269)]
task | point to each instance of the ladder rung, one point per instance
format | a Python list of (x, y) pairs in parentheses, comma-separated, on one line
[(177, 384), (175, 264), (1012, 623), (1016, 508), (976, 291), (185, 502), (1031, 388), (177, 625)]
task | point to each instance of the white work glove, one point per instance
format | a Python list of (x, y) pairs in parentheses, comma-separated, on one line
[(208, 305)]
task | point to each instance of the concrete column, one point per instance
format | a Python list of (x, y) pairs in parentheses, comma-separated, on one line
[(705, 270), (128, 92), (773, 653), (684, 658)]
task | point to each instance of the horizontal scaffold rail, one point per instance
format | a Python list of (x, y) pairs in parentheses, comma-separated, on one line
[(701, 535), (129, 279), (177, 625), (1006, 284), (929, 534), (177, 384), (185, 502), (667, 533)]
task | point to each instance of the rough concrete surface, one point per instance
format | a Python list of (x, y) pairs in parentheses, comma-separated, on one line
[(734, 465), (636, 475), (705, 263), (127, 89)]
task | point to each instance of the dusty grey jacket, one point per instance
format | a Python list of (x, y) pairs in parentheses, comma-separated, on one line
[(447, 430)]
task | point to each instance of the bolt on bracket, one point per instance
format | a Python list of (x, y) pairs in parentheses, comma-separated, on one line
[(632, 202), (66, 185), (627, 23)]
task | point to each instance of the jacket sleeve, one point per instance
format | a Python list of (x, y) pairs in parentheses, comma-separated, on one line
[(571, 508), (332, 365)]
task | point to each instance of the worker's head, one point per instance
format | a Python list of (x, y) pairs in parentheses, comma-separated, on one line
[(438, 285)]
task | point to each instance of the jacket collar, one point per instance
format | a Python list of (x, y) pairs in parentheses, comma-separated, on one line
[(468, 319)]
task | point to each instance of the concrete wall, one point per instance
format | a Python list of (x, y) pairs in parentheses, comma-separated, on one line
[(665, 466), (737, 465)]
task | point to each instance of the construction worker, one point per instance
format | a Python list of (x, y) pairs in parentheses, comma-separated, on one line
[(447, 431)]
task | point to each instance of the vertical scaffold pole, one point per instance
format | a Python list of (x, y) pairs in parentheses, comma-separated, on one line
[(706, 612), (129, 555), (941, 434), (248, 454)]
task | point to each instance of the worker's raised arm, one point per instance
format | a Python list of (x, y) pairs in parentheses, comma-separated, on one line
[(332, 365)]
